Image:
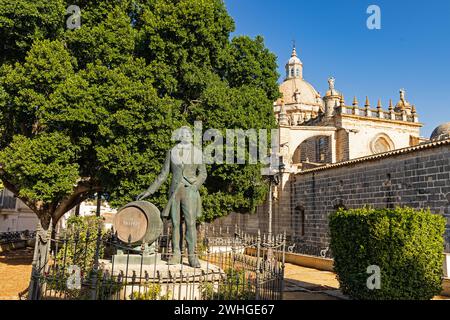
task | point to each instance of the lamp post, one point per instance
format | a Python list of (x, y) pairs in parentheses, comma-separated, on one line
[(274, 175), (270, 209)]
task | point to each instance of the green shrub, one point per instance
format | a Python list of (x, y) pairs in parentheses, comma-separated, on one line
[(235, 286), (405, 244), (107, 286), (151, 291), (79, 243), (77, 246)]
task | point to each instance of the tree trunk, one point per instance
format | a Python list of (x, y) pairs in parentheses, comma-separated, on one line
[(40, 256)]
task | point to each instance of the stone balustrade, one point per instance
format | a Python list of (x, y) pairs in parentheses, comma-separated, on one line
[(378, 113)]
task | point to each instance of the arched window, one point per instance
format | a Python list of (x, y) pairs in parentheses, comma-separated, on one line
[(381, 143), (297, 71), (299, 221), (302, 230), (292, 72), (321, 149), (316, 149)]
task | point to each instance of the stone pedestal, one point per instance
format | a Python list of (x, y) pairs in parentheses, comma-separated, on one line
[(177, 282), (136, 259)]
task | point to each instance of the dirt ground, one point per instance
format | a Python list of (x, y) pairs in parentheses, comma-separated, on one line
[(15, 271)]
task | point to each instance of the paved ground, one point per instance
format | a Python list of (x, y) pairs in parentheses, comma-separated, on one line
[(15, 271), (310, 284)]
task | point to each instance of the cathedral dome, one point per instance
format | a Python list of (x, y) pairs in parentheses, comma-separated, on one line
[(441, 132), (296, 90)]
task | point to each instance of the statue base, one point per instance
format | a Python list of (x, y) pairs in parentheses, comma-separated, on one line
[(148, 256), (179, 281), (136, 259)]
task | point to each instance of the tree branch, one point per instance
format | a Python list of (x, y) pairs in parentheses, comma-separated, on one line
[(80, 193)]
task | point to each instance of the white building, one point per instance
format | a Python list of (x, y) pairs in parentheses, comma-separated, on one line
[(89, 208), (14, 214)]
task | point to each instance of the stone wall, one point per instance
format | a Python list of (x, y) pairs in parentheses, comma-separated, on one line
[(418, 177), (363, 131)]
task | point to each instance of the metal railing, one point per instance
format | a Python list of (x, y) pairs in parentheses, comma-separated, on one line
[(234, 266), (9, 237)]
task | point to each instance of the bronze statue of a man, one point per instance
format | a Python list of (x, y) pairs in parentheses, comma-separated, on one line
[(188, 175)]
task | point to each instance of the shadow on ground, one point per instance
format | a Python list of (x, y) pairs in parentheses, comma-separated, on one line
[(301, 290), (17, 257)]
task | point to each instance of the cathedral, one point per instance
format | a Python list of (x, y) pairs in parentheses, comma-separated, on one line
[(316, 130), (347, 155)]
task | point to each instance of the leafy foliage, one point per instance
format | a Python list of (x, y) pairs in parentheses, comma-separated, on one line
[(93, 109), (80, 243), (46, 165), (22, 22), (406, 244), (77, 247), (150, 291), (235, 286), (107, 286)]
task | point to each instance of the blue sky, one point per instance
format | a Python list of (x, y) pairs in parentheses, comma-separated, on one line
[(411, 51)]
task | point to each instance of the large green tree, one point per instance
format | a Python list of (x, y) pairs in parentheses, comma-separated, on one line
[(93, 109)]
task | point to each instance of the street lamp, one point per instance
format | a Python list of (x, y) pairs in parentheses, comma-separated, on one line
[(274, 176)]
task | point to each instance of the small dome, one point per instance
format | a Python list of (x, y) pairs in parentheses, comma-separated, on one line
[(332, 92), (294, 59), (402, 104), (442, 132), (297, 90)]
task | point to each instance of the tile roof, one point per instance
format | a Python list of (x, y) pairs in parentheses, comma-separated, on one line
[(379, 156)]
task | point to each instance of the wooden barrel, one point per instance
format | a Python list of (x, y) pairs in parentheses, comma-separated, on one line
[(138, 222)]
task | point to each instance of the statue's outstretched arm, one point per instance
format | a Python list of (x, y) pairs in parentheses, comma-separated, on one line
[(162, 177)]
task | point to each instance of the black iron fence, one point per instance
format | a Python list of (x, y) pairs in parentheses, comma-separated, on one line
[(97, 266), (9, 237)]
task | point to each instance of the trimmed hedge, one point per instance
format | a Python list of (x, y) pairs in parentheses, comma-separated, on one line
[(405, 243)]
